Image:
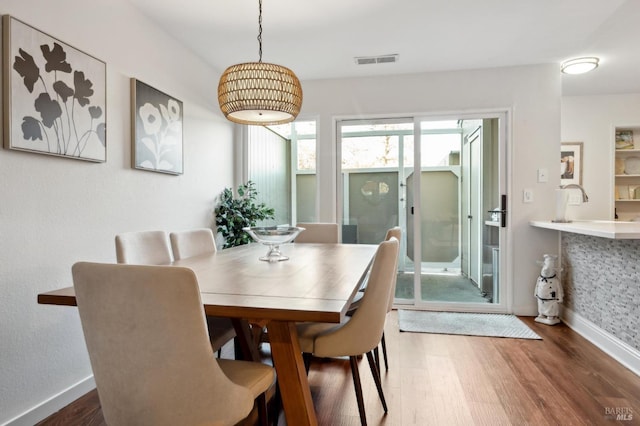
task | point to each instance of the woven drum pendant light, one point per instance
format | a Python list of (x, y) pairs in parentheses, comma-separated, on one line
[(259, 93)]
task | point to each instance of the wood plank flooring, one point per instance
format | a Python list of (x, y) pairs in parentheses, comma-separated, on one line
[(462, 380)]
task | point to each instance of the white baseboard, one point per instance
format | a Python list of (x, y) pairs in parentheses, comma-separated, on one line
[(53, 404), (614, 347)]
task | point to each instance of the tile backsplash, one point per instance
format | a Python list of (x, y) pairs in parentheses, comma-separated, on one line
[(601, 281)]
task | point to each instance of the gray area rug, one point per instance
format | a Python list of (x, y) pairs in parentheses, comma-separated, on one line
[(469, 324), (440, 288)]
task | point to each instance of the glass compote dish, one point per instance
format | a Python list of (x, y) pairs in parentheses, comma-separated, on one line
[(273, 237)]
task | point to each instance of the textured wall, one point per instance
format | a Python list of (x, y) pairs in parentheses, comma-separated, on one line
[(601, 280)]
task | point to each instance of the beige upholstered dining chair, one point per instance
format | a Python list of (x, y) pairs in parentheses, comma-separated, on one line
[(192, 242), (395, 232), (143, 248), (195, 242), (318, 233), (361, 333), (147, 339)]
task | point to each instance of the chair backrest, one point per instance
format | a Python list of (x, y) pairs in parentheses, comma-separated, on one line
[(143, 248), (145, 331), (192, 243), (364, 329), (395, 232), (318, 233)]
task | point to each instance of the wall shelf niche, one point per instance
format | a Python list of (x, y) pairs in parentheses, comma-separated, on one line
[(626, 171)]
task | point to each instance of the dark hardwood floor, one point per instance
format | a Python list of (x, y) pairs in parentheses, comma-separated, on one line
[(461, 380)]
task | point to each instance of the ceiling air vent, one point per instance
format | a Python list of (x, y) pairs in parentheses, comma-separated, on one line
[(382, 59)]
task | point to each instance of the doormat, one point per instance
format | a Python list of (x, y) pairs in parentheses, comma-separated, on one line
[(469, 324)]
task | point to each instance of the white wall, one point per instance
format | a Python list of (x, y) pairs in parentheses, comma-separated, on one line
[(54, 211), (531, 93), (591, 120)]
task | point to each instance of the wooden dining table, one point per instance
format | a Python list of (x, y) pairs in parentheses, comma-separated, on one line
[(316, 284)]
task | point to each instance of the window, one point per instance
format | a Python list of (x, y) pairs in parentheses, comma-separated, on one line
[(287, 169)]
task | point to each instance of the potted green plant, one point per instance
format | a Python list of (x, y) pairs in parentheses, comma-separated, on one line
[(234, 213)]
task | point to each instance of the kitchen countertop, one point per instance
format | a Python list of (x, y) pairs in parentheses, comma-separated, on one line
[(616, 230)]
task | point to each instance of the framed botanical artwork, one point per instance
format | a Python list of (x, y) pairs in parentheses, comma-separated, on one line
[(54, 95), (156, 143), (571, 163)]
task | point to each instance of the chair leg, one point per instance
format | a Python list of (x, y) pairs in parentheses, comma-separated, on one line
[(376, 357), (384, 352), (376, 378), (263, 417), (356, 383), (276, 405)]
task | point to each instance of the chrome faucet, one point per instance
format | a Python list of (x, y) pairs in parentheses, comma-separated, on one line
[(575, 185)]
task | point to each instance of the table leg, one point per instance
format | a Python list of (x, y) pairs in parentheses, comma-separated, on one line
[(292, 377)]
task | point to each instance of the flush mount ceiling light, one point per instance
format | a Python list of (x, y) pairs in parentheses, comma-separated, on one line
[(579, 65), (258, 92)]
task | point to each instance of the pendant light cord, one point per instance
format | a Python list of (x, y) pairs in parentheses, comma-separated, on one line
[(260, 30)]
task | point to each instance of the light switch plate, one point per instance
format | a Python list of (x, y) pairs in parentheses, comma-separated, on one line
[(543, 175), (527, 196)]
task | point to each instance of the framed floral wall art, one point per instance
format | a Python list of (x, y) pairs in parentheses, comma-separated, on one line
[(157, 130), (55, 95)]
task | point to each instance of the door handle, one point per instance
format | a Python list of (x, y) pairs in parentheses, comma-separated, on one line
[(502, 211)]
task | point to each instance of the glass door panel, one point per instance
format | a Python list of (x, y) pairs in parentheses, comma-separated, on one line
[(439, 233), (372, 157), (459, 182)]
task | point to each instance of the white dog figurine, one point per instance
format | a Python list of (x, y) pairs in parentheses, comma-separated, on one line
[(549, 291)]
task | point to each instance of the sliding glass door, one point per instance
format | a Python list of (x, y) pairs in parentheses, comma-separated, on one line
[(450, 253)]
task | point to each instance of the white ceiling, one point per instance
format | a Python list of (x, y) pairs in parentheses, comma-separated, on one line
[(318, 39)]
